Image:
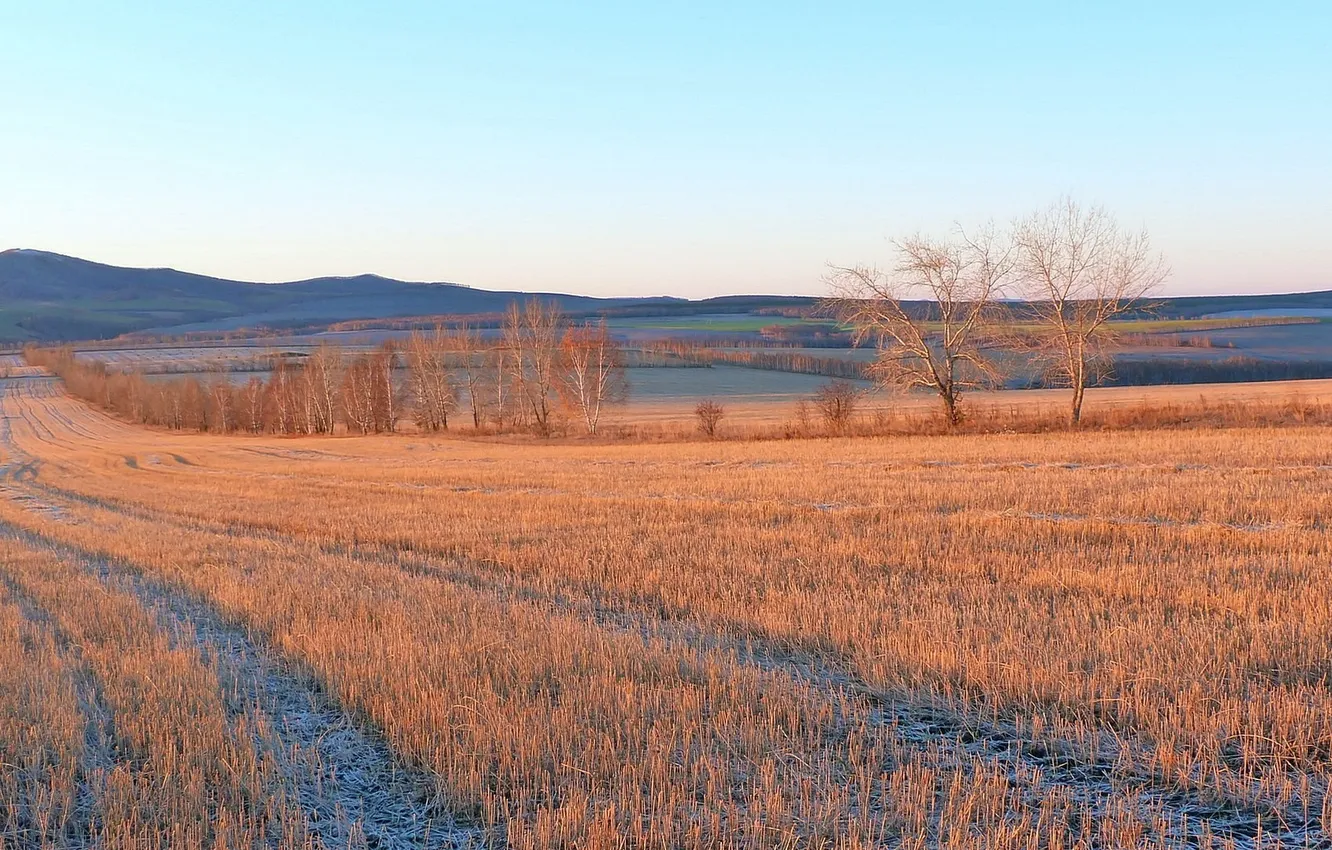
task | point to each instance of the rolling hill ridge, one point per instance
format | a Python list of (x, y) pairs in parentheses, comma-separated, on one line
[(46, 296)]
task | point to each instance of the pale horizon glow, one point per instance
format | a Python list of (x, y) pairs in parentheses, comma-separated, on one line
[(684, 150)]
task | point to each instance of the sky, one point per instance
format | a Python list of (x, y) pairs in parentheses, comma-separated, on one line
[(688, 149)]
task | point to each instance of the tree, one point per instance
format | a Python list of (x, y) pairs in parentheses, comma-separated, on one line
[(592, 373), (472, 358), (1079, 271), (222, 400), (710, 415), (358, 394), (433, 394), (384, 392), (281, 391), (251, 410), (937, 345), (496, 363), (531, 340), (322, 376), (836, 402)]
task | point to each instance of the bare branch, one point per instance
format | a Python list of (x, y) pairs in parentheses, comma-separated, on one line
[(1080, 271), (934, 343)]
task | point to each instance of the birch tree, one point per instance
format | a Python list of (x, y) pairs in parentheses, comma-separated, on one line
[(592, 372), (384, 392), (433, 393), (471, 359), (323, 375), (358, 394), (532, 340)]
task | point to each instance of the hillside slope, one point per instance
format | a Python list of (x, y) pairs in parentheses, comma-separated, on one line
[(48, 296)]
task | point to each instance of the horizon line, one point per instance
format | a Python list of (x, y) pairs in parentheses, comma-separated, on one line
[(365, 274)]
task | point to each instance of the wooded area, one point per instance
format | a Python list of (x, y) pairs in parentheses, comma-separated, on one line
[(537, 370)]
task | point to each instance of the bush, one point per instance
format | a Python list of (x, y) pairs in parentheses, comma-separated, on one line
[(710, 415), (836, 402)]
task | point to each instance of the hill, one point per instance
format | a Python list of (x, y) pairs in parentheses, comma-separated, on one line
[(46, 296)]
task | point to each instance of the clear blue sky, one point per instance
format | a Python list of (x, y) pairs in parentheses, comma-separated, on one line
[(626, 148)]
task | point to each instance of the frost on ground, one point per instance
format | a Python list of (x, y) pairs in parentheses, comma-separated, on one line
[(347, 782)]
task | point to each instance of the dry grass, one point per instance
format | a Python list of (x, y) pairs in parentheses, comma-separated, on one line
[(163, 765), (41, 734), (1027, 640)]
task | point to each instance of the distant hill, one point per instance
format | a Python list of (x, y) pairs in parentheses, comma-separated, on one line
[(46, 296)]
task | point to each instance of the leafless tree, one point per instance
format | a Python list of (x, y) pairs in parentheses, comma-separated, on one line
[(221, 398), (172, 410), (531, 339), (501, 394), (710, 415), (433, 393), (191, 399), (322, 377), (252, 406), (1080, 270), (358, 394), (592, 372), (802, 417), (471, 359), (385, 393), (937, 346), (836, 402), (282, 397)]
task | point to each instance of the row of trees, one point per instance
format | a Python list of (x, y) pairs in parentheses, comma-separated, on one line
[(538, 369), (773, 359), (1075, 268)]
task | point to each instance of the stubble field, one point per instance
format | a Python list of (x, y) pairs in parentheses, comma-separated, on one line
[(1002, 641)]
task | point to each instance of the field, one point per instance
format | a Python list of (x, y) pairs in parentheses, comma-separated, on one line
[(1002, 641)]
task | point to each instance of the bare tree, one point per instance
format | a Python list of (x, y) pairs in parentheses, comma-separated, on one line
[(192, 401), (358, 394), (937, 345), (252, 406), (710, 415), (592, 373), (802, 423), (385, 394), (282, 397), (471, 358), (433, 394), (500, 394), (222, 398), (531, 339), (1079, 271), (836, 402), (323, 375)]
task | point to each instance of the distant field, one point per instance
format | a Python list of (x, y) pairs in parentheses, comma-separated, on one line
[(1001, 641), (717, 322), (649, 387), (776, 409)]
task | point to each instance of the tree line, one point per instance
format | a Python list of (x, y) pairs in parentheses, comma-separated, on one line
[(770, 359), (537, 372)]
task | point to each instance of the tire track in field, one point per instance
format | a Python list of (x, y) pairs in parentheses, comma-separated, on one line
[(100, 752), (351, 788), (954, 737), (957, 735)]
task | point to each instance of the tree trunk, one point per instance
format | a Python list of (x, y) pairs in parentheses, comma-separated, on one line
[(1079, 388), (951, 413)]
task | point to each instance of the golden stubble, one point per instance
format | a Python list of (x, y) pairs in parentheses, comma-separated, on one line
[(687, 644)]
